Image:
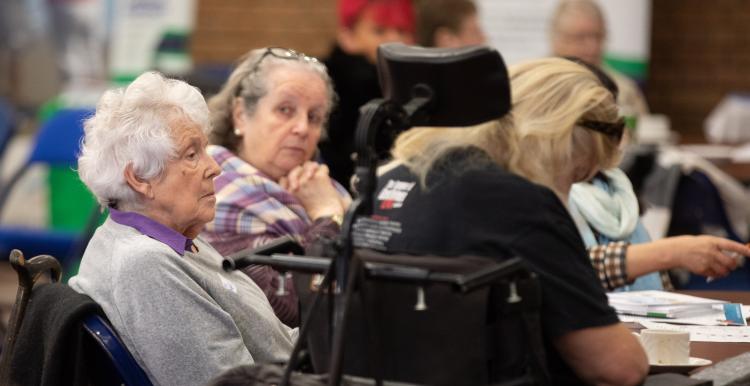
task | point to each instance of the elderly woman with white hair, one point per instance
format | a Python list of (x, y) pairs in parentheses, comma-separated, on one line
[(267, 120), (182, 317)]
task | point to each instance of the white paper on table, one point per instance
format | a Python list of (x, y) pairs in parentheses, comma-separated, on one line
[(703, 320), (741, 153), (711, 152), (671, 304), (706, 333), (712, 319)]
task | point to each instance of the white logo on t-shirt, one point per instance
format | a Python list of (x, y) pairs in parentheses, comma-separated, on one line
[(227, 284), (394, 193)]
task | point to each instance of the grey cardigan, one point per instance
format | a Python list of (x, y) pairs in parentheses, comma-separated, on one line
[(183, 318)]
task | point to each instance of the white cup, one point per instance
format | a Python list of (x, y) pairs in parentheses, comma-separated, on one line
[(665, 347)]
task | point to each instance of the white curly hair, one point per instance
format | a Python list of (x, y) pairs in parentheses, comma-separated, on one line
[(132, 126)]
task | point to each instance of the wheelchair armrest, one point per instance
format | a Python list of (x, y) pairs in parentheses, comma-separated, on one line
[(241, 259), (280, 263), (465, 277)]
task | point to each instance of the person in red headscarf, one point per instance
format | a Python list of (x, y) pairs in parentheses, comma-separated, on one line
[(363, 26)]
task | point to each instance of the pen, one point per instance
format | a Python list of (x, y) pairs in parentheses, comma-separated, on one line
[(657, 315)]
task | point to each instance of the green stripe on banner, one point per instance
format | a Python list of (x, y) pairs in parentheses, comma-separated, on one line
[(632, 67), (122, 79)]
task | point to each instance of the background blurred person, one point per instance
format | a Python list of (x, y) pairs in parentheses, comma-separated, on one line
[(448, 24), (578, 29), (363, 26), (458, 195), (80, 40), (569, 130), (184, 319), (267, 120)]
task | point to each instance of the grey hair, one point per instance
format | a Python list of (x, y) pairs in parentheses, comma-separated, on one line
[(249, 80), (131, 126)]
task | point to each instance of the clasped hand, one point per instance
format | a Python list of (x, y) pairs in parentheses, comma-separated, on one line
[(312, 186)]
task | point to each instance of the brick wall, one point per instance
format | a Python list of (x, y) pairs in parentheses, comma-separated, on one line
[(700, 51), (225, 29)]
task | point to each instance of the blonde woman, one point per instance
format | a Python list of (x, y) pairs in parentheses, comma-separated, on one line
[(453, 192), (568, 131)]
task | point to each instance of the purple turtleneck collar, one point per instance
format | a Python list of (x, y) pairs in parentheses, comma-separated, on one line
[(153, 229)]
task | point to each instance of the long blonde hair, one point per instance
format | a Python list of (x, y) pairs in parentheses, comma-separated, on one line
[(420, 147), (550, 98)]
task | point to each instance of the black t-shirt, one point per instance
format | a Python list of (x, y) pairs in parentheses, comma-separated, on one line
[(472, 207)]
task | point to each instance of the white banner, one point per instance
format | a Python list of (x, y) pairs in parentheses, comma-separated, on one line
[(138, 28), (519, 29)]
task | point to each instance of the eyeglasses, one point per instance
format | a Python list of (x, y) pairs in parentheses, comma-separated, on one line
[(283, 53), (582, 37), (613, 130), (280, 53)]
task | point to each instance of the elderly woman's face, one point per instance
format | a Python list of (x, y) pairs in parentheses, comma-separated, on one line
[(284, 130), (183, 196), (582, 35)]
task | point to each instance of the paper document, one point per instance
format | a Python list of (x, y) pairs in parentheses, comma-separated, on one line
[(718, 317), (711, 152), (706, 333), (661, 304), (720, 154)]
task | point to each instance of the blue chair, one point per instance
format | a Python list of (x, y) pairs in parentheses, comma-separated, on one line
[(65, 324), (697, 206), (121, 367), (56, 144)]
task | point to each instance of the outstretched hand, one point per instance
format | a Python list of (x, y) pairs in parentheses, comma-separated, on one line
[(704, 255)]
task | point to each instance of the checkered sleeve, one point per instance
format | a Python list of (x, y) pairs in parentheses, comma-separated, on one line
[(609, 263)]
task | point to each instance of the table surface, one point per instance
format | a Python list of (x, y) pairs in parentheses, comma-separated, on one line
[(717, 351), (712, 152), (739, 170)]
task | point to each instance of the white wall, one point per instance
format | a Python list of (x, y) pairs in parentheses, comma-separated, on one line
[(519, 28)]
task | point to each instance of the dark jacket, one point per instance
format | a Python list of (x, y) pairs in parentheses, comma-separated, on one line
[(49, 350)]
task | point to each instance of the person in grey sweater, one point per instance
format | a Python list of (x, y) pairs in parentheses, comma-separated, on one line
[(182, 317)]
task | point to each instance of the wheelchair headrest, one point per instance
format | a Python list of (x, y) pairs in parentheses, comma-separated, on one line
[(469, 85)]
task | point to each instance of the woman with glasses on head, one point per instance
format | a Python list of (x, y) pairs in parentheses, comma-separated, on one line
[(267, 120), (569, 135)]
